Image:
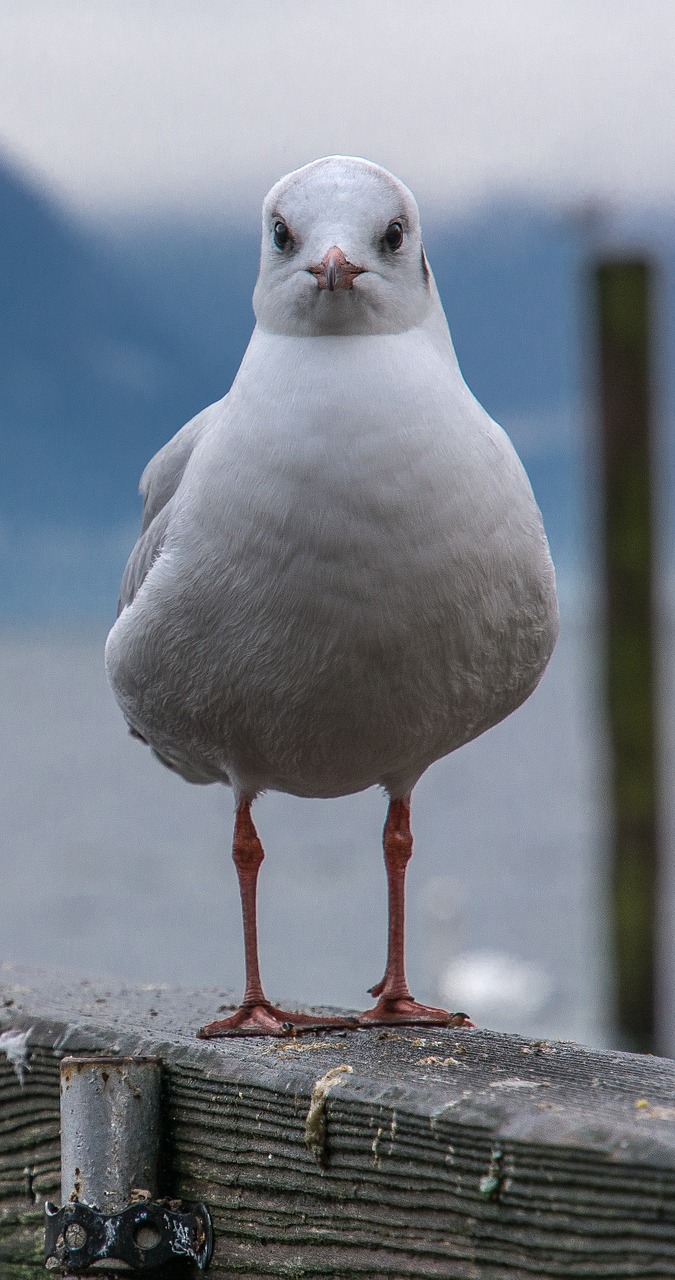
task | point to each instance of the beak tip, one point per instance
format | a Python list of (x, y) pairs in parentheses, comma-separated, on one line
[(335, 271)]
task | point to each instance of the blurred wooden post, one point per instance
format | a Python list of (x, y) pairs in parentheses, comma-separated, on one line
[(622, 291)]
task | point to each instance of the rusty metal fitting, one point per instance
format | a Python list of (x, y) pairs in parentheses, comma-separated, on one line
[(143, 1238)]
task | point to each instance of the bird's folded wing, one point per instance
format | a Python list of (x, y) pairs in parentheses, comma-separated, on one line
[(143, 557), (159, 483), (164, 472)]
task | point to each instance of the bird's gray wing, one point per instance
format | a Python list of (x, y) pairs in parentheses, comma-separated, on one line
[(143, 556), (159, 483), (164, 472)]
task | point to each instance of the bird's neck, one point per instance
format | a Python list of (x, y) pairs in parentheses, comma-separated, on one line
[(293, 360)]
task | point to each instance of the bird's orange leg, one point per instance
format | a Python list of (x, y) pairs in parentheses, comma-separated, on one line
[(257, 1016), (395, 1004)]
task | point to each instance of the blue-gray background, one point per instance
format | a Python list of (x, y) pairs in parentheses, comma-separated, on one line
[(128, 226)]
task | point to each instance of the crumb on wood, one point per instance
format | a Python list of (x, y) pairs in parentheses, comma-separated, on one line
[(315, 1123)]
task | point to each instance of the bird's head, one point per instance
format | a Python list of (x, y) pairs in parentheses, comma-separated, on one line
[(341, 253)]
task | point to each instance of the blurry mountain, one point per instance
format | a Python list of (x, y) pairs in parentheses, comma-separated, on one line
[(111, 338), (91, 378)]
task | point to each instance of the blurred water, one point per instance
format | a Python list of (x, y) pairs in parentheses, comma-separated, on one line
[(112, 865)]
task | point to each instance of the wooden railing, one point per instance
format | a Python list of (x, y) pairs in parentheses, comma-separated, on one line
[(464, 1154)]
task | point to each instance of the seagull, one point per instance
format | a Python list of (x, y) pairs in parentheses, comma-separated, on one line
[(342, 574)]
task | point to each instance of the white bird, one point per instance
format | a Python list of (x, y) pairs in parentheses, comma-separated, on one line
[(342, 573)]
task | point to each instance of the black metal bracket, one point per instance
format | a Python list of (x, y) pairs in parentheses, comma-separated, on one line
[(145, 1236)]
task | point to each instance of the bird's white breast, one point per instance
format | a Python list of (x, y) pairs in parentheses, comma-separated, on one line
[(355, 580)]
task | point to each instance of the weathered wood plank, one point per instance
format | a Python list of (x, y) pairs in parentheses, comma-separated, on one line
[(451, 1154)]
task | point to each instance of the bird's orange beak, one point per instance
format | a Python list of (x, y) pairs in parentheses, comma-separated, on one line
[(334, 271)]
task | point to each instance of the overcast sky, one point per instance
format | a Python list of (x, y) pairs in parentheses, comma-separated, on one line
[(131, 104)]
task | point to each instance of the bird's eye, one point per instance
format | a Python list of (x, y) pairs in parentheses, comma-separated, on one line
[(282, 235), (393, 236)]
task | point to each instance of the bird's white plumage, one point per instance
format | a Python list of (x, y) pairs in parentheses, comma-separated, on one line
[(343, 573)]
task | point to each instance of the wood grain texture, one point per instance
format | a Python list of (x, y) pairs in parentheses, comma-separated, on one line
[(448, 1153)]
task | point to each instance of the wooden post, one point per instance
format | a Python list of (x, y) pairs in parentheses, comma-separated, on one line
[(622, 291)]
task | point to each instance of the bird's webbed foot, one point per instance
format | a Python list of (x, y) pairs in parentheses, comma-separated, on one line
[(265, 1019), (404, 1011)]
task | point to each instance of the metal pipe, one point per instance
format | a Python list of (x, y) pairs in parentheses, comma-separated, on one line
[(109, 1130)]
